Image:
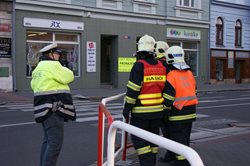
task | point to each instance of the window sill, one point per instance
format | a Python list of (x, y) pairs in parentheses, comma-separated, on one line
[(219, 45), (145, 3), (193, 9)]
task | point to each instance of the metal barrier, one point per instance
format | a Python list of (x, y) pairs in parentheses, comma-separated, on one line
[(102, 114), (191, 155)]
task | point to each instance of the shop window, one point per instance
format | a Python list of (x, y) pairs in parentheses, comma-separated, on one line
[(238, 33), (219, 31), (68, 43), (219, 70), (191, 54)]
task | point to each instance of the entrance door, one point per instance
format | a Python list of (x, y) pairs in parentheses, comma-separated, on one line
[(219, 70), (109, 53), (237, 72)]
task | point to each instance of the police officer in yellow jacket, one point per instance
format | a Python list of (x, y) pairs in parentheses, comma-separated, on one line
[(53, 103), (180, 97), (144, 98)]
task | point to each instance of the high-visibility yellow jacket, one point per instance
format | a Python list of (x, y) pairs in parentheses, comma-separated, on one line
[(51, 91)]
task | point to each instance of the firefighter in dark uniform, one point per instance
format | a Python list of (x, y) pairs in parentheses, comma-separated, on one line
[(144, 98), (181, 100), (160, 50), (53, 104)]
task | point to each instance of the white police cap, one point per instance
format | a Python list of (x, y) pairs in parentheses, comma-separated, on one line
[(48, 47)]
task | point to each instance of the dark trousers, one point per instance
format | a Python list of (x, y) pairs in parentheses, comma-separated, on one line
[(151, 125), (166, 133), (53, 128), (180, 132)]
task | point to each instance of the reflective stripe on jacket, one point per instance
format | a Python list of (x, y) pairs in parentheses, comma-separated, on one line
[(185, 88), (150, 97)]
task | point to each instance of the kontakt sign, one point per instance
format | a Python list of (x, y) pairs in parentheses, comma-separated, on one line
[(183, 33)]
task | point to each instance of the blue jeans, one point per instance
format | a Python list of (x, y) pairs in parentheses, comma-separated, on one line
[(53, 128)]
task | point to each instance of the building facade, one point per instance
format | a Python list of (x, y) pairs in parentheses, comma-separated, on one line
[(230, 41), (99, 37)]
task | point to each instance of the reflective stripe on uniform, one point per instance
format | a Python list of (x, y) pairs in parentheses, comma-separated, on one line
[(133, 86), (167, 96), (69, 106), (46, 105), (152, 101), (130, 100), (182, 117), (185, 98), (66, 112), (147, 109), (154, 149), (179, 157), (143, 150), (51, 92), (147, 96), (40, 114)]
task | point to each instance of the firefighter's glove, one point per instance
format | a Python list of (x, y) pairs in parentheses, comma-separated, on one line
[(125, 113)]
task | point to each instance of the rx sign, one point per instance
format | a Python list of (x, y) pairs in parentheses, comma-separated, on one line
[(55, 24)]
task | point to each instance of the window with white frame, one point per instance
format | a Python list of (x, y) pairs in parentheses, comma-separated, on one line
[(186, 3), (191, 53), (188, 9), (109, 4), (69, 43)]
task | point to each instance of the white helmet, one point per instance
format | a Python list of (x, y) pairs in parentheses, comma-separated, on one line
[(161, 48), (146, 43), (175, 56)]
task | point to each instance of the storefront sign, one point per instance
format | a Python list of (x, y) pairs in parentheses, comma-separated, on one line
[(242, 54), (183, 33), (125, 64), (5, 47), (53, 24), (4, 27), (230, 61), (239, 2), (91, 56), (218, 54)]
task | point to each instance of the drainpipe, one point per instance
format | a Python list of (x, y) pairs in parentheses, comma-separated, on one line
[(13, 46), (209, 37)]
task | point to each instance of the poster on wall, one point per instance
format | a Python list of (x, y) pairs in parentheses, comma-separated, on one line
[(91, 56), (230, 59), (125, 64), (5, 47)]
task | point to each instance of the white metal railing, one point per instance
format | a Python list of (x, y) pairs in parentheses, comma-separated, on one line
[(190, 154), (101, 120)]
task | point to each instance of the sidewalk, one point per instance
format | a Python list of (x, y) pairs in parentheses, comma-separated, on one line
[(229, 151)]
